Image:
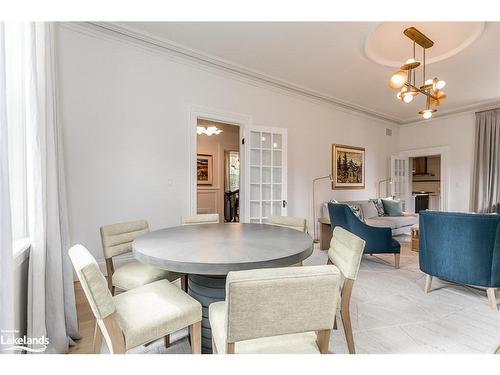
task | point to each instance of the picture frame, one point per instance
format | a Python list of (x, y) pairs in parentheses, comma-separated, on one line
[(204, 169), (348, 167)]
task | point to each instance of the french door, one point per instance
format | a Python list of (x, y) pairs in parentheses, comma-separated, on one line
[(265, 173), (400, 180)]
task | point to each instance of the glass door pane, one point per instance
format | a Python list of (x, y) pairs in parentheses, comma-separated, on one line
[(267, 169)]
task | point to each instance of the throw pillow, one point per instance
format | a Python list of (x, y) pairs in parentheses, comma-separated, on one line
[(379, 206), (392, 207), (369, 210), (356, 210)]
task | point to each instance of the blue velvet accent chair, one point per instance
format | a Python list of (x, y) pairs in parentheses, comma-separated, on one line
[(462, 248), (378, 240)]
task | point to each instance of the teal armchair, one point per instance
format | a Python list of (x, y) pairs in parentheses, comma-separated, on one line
[(462, 248)]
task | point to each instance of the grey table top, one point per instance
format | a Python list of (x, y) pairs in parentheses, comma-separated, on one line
[(216, 249)]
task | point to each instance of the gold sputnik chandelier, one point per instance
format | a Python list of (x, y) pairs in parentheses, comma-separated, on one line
[(405, 81)]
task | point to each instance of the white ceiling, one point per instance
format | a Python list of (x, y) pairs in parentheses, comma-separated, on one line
[(328, 58)]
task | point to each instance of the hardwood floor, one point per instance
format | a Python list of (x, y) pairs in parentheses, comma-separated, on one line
[(86, 323)]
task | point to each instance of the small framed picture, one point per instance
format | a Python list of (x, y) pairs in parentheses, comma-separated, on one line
[(348, 167), (204, 169)]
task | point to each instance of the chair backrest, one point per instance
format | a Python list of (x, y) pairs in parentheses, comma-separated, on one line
[(346, 251), (93, 282), (278, 301), (460, 247), (117, 238), (296, 223), (340, 215), (200, 219)]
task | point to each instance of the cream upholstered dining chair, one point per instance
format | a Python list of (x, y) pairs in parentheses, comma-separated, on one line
[(276, 310), (296, 223), (117, 240), (137, 316), (200, 219), (346, 251)]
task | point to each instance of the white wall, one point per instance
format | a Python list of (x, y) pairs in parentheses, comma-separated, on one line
[(457, 133), (125, 117)]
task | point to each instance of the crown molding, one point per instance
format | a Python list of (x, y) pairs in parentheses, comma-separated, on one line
[(139, 38), (471, 108), (184, 54)]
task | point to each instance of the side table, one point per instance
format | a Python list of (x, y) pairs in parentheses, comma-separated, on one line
[(414, 238)]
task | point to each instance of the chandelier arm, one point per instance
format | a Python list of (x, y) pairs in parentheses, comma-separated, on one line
[(409, 85), (423, 71)]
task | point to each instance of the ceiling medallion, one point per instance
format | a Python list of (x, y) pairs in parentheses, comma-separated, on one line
[(405, 78), (211, 130)]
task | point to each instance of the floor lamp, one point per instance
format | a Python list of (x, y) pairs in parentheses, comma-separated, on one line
[(329, 177), (389, 180)]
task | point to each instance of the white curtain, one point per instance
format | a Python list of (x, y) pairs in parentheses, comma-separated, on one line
[(486, 185), (6, 256), (51, 301)]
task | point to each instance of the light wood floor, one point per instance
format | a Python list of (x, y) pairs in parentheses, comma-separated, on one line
[(86, 323)]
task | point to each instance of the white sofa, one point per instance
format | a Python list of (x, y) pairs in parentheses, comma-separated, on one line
[(398, 224)]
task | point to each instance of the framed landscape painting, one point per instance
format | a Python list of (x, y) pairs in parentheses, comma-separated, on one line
[(348, 167), (204, 169)]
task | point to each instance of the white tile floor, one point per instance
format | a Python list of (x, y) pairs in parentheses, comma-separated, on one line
[(390, 312)]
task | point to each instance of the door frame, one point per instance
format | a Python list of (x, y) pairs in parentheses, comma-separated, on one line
[(196, 112), (442, 151)]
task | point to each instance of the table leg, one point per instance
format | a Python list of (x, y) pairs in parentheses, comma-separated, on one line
[(325, 236), (206, 290)]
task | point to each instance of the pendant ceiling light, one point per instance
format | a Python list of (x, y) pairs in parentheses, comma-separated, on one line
[(404, 79), (211, 130)]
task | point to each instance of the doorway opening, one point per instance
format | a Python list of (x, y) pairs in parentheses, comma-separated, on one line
[(218, 169), (425, 183), (421, 180)]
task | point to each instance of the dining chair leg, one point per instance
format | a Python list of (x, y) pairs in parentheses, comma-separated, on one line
[(492, 298), (323, 340), (184, 283), (396, 260), (346, 316), (166, 340), (428, 283), (335, 322), (230, 348), (97, 343), (115, 335), (110, 269), (195, 333), (214, 348)]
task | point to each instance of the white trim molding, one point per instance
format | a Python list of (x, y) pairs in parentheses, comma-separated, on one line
[(443, 151), (476, 107), (183, 54), (194, 113)]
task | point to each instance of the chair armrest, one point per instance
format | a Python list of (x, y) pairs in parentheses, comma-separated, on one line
[(377, 239)]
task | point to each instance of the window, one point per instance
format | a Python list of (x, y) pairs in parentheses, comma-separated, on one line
[(18, 90), (234, 170)]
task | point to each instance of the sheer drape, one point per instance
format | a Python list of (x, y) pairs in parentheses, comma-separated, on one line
[(486, 184), (51, 303), (6, 256)]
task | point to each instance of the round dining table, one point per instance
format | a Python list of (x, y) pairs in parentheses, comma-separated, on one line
[(207, 252)]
